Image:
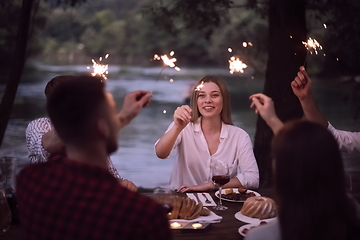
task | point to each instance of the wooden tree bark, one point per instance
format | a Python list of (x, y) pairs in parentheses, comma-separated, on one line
[(287, 30), (17, 67)]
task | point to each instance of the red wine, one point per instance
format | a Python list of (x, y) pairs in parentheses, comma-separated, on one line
[(14, 208), (221, 179)]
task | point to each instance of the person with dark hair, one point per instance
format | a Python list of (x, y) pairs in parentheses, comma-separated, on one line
[(73, 195), (203, 133), (42, 139), (313, 202)]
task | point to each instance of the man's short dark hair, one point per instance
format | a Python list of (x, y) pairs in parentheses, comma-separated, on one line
[(74, 106), (54, 82)]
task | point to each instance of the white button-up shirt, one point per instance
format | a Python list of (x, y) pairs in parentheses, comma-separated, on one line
[(348, 141), (193, 160)]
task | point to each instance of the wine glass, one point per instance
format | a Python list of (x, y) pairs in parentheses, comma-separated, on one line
[(220, 175)]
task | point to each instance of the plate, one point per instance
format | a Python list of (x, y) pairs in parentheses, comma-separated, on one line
[(248, 226), (235, 190), (239, 216)]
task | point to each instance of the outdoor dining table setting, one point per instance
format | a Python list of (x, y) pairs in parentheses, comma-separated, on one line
[(216, 224)]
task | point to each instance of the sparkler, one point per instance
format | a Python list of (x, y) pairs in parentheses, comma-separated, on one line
[(199, 87), (236, 65), (312, 45), (100, 69), (167, 62)]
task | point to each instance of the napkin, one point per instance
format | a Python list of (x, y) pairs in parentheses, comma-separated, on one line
[(202, 199), (212, 218)]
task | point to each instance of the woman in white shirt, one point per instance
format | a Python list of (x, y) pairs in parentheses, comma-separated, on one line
[(203, 134)]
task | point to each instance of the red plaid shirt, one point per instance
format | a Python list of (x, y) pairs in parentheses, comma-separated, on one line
[(63, 199)]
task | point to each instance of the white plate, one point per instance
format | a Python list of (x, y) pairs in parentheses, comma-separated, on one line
[(239, 216), (235, 190), (248, 226)]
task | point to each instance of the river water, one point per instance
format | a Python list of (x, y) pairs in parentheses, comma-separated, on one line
[(135, 158)]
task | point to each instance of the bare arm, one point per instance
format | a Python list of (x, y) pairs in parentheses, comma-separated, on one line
[(301, 87), (133, 103), (265, 107), (233, 183), (182, 116), (51, 141)]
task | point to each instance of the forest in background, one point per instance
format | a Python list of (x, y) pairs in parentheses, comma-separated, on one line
[(125, 30), (199, 31)]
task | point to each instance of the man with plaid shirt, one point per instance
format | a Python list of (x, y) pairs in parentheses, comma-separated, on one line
[(73, 195)]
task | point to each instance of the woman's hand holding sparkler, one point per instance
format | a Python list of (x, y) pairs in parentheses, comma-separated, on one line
[(265, 107), (133, 103), (182, 116), (301, 85)]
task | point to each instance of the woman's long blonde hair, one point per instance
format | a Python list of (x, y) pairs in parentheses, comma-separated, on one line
[(226, 111)]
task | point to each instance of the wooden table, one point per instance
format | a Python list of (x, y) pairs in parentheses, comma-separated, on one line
[(226, 229)]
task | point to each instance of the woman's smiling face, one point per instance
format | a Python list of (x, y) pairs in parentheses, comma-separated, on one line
[(210, 101)]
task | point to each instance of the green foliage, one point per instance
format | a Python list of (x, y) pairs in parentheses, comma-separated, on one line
[(199, 15)]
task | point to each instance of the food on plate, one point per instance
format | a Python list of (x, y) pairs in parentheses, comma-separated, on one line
[(242, 190), (228, 191), (183, 207), (245, 230), (240, 196), (259, 207)]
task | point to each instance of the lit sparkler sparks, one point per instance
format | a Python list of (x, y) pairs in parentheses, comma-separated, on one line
[(312, 45), (199, 87), (100, 69), (236, 65), (167, 61)]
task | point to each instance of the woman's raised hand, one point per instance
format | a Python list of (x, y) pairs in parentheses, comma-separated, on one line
[(265, 107), (301, 85), (182, 116)]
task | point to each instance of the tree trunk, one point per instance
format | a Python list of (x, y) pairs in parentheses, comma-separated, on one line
[(17, 67), (287, 30)]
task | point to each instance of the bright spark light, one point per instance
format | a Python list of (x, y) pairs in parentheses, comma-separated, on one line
[(229, 50), (236, 65), (100, 69), (199, 87), (250, 44), (164, 111), (312, 45), (171, 80), (167, 61), (324, 25), (244, 44)]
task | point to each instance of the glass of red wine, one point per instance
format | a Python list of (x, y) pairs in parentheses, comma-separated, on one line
[(220, 175)]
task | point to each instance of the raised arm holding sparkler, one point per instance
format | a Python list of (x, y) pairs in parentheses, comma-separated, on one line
[(301, 86), (348, 141)]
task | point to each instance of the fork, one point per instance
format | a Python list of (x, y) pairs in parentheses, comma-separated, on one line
[(206, 199)]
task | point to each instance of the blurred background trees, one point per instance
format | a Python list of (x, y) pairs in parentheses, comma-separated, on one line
[(200, 32), (132, 31)]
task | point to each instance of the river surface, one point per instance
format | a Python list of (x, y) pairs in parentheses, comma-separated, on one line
[(135, 158)]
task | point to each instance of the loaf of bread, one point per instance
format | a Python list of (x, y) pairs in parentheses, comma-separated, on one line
[(183, 207), (259, 207)]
